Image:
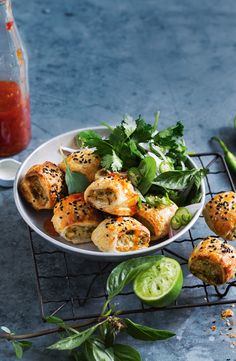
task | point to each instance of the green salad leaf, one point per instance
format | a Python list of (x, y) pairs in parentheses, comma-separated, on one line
[(126, 271), (125, 353), (180, 179), (145, 333)]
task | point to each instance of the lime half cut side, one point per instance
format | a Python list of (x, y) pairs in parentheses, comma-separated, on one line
[(160, 285)]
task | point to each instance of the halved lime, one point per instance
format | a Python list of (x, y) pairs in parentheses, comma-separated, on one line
[(161, 284)]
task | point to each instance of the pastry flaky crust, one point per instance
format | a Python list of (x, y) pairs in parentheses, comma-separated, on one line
[(75, 220), (43, 185), (121, 234), (156, 219), (220, 215), (113, 194), (213, 261), (84, 161)]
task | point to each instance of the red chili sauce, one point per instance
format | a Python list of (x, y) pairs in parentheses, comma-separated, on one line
[(15, 126)]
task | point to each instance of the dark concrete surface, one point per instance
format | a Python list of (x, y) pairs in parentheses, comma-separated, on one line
[(92, 61)]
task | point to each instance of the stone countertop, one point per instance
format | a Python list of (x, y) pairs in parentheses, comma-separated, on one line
[(93, 61)]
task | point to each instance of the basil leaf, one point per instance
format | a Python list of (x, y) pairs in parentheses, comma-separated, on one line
[(88, 138), (125, 353), (94, 350), (126, 271), (5, 329), (18, 349), (54, 320), (71, 342), (76, 182), (179, 179), (146, 333), (147, 169)]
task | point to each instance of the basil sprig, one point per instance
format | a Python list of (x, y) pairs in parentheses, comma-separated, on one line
[(91, 345)]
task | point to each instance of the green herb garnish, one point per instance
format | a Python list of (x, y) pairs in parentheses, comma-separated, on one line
[(97, 342)]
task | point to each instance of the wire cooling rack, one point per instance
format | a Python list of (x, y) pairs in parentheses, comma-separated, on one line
[(73, 288)]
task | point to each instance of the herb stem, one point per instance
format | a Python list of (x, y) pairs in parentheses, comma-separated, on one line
[(12, 337)]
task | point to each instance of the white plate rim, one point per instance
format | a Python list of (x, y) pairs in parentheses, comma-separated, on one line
[(90, 253)]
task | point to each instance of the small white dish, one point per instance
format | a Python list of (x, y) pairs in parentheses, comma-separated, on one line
[(8, 169)]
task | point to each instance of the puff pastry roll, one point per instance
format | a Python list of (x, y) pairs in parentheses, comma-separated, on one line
[(156, 219), (213, 261), (84, 161), (113, 194), (220, 215), (121, 234), (75, 220), (43, 185)]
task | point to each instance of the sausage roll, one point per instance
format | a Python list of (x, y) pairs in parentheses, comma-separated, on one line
[(220, 215), (120, 234), (43, 185), (75, 220), (156, 219), (113, 194), (84, 161), (213, 261)]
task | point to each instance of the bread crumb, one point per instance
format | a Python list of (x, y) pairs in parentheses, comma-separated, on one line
[(227, 313), (213, 328), (231, 335)]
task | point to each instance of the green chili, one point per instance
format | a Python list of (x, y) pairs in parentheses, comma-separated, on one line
[(230, 158)]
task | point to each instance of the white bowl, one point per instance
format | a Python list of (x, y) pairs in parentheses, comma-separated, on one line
[(35, 219)]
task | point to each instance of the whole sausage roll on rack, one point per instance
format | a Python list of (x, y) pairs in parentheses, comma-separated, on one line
[(75, 220), (156, 219), (213, 261), (120, 234), (43, 185), (84, 161), (220, 215), (113, 194)]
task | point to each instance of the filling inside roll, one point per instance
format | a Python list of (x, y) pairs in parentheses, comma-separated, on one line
[(207, 271), (104, 196), (131, 240), (79, 234), (37, 189)]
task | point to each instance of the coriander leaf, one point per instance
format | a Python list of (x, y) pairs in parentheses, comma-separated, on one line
[(129, 125), (71, 342), (179, 179), (134, 149), (143, 131), (94, 350), (91, 139), (111, 162), (76, 182), (125, 353), (156, 201), (117, 138), (126, 271), (147, 169), (88, 138), (146, 333), (18, 349), (165, 136)]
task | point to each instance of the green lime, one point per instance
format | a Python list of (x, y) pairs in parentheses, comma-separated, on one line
[(161, 284)]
